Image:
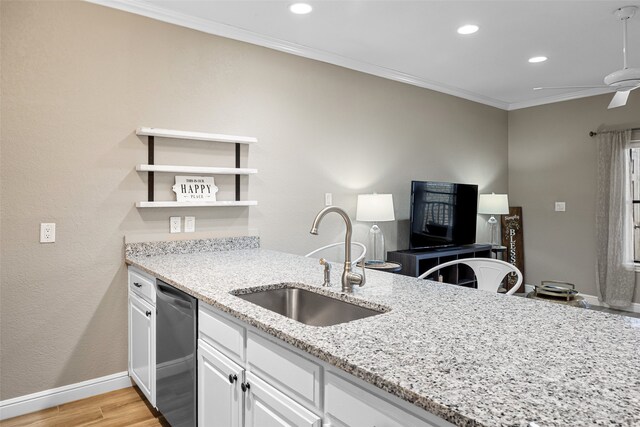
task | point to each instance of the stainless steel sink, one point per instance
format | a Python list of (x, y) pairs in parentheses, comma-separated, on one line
[(308, 307)]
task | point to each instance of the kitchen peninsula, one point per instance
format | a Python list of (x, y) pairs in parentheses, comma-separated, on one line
[(465, 356)]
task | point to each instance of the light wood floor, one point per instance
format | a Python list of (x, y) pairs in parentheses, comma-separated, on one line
[(126, 407)]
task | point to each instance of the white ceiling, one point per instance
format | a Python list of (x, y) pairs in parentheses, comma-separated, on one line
[(416, 41)]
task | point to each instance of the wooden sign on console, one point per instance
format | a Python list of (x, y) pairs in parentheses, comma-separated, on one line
[(513, 239)]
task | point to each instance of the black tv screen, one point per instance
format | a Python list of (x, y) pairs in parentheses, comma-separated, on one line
[(442, 214)]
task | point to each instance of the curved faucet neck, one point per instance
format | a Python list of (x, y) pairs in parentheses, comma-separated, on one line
[(347, 221)]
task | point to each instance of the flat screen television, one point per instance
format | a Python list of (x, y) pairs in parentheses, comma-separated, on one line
[(442, 214)]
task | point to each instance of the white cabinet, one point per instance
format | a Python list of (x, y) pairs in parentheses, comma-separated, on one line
[(219, 393), (349, 405), (229, 395), (141, 345), (279, 385), (295, 375), (267, 407), (142, 334)]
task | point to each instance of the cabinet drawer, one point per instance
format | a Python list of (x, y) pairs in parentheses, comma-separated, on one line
[(348, 405), (289, 372), (142, 285), (221, 333), (266, 406)]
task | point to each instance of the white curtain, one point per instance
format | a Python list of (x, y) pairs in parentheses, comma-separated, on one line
[(615, 276)]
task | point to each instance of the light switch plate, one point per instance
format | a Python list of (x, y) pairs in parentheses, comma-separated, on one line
[(189, 224), (174, 224), (328, 199), (561, 207)]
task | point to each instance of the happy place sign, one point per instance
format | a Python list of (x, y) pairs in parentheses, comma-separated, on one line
[(195, 189)]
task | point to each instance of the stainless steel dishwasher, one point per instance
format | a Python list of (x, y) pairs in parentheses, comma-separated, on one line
[(176, 326)]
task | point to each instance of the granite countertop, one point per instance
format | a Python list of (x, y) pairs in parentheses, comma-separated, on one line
[(470, 357)]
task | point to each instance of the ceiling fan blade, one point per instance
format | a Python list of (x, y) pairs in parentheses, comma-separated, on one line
[(570, 87), (619, 99)]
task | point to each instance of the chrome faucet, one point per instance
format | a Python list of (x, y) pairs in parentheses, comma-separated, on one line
[(349, 278)]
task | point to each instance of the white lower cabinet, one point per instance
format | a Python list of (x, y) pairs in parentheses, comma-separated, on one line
[(348, 405), (247, 378), (219, 393), (142, 355), (141, 324), (267, 407), (230, 397)]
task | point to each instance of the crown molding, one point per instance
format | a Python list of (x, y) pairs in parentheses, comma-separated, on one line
[(151, 11), (558, 98), (143, 8)]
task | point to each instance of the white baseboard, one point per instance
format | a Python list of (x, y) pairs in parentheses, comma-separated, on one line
[(593, 300), (57, 396)]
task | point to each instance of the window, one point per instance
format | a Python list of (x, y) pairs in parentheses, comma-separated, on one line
[(634, 169)]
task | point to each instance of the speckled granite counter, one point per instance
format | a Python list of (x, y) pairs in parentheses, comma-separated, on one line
[(470, 357)]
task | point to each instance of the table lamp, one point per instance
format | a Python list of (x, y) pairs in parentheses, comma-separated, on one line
[(493, 204), (375, 208)]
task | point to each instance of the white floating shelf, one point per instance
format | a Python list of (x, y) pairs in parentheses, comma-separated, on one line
[(169, 204), (196, 169), (200, 136)]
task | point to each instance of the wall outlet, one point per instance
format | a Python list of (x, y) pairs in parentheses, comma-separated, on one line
[(189, 224), (47, 232), (328, 199), (561, 206), (174, 224)]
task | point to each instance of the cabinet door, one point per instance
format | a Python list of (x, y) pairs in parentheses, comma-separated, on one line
[(142, 364), (219, 397), (267, 407)]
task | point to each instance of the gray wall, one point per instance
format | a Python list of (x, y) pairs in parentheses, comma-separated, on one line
[(552, 158), (78, 78)]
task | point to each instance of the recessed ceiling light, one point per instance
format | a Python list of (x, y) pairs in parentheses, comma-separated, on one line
[(468, 29), (300, 8), (536, 59)]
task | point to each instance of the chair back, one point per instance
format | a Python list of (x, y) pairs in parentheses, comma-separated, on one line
[(489, 272), (359, 249)]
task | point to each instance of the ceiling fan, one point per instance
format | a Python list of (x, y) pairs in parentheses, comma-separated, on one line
[(622, 81)]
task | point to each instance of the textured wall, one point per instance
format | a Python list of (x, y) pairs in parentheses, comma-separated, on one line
[(552, 158), (78, 78)]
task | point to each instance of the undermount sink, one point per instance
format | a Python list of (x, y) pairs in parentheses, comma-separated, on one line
[(308, 307)]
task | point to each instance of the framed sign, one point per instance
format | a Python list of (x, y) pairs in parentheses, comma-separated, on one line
[(195, 189), (512, 238)]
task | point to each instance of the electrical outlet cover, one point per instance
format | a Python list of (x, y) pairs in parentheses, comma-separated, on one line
[(47, 232), (174, 224)]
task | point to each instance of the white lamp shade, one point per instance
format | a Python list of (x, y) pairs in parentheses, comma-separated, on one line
[(375, 207), (493, 204)]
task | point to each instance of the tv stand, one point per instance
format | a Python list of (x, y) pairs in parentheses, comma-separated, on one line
[(417, 261)]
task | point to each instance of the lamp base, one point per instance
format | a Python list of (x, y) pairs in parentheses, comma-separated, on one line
[(376, 245), (493, 222)]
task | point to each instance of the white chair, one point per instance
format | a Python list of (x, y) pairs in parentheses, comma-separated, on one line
[(489, 272), (357, 245)]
